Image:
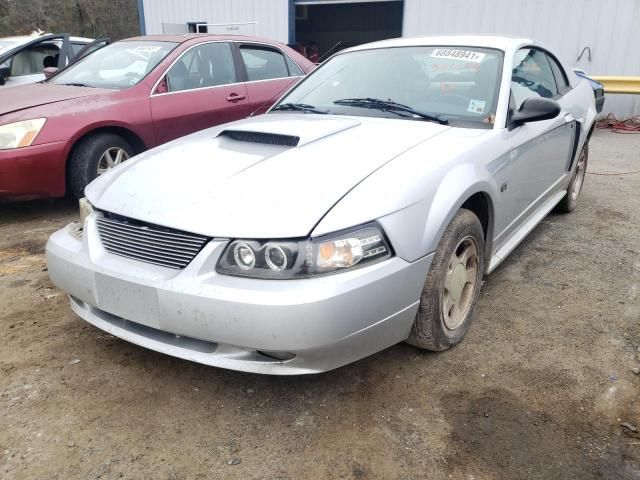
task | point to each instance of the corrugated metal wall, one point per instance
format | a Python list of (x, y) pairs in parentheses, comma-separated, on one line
[(610, 28), (272, 16)]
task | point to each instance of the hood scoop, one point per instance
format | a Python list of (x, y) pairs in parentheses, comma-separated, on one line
[(261, 137), (286, 129)]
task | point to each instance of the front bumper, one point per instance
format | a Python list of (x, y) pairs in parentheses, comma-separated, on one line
[(35, 171), (237, 323)]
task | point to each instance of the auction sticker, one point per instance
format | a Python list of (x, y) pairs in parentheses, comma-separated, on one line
[(454, 54), (146, 49), (476, 106)]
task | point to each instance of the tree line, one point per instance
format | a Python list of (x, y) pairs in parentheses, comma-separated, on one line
[(85, 18)]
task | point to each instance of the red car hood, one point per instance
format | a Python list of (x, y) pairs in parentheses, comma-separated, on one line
[(37, 94)]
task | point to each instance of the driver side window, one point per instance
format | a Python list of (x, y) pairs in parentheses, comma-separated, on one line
[(532, 76), (34, 59)]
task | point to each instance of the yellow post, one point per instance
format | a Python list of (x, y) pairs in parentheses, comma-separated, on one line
[(629, 85)]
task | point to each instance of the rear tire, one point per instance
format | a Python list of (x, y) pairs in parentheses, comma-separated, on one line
[(570, 200), (450, 294), (90, 153)]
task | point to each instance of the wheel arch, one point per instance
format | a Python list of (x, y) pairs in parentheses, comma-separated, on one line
[(476, 195), (128, 134), (591, 130), (481, 204)]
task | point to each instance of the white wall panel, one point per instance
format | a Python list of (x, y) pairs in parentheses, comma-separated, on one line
[(611, 28), (272, 16)]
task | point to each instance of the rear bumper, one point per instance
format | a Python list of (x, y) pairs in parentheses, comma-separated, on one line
[(223, 321), (36, 171)]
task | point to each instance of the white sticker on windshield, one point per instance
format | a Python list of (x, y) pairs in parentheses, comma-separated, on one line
[(476, 106), (453, 54), (146, 49)]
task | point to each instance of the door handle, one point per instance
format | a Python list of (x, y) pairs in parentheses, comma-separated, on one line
[(234, 97)]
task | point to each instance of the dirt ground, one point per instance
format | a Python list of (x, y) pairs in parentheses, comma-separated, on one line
[(538, 389)]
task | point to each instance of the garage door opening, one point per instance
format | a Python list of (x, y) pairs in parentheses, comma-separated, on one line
[(335, 26)]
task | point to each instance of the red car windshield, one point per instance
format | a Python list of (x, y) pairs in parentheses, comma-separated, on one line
[(117, 66)]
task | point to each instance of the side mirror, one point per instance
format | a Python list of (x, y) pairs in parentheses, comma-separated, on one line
[(50, 72), (5, 72), (535, 109)]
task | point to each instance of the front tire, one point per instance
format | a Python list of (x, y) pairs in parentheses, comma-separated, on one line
[(93, 156), (450, 294), (570, 200)]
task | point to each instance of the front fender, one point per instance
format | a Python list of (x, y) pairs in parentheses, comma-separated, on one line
[(413, 210), (416, 230)]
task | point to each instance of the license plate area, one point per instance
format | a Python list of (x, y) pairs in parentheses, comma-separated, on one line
[(128, 300)]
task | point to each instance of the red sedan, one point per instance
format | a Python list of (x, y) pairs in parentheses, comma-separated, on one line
[(57, 136)]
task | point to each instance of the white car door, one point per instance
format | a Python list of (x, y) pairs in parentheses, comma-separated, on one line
[(25, 64), (541, 151)]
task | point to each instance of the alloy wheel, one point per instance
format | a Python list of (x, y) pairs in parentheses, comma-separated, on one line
[(581, 170), (460, 283), (110, 158)]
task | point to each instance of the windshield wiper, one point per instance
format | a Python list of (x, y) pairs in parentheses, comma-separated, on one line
[(390, 106), (298, 107), (74, 84)]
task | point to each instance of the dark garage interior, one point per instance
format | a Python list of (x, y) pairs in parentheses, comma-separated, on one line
[(347, 24)]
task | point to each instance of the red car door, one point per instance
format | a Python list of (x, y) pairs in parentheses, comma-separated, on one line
[(269, 73), (199, 90)]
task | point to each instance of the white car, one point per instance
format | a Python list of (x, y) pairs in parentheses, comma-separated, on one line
[(23, 59), (362, 210)]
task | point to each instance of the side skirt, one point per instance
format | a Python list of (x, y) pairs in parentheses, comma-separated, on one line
[(517, 236)]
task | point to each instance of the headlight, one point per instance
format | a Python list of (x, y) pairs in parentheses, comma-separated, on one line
[(86, 209), (20, 134), (77, 228), (285, 259)]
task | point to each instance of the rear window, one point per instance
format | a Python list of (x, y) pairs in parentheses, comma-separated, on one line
[(264, 63)]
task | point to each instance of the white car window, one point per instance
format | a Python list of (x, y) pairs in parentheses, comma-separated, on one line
[(459, 83), (532, 76), (34, 59)]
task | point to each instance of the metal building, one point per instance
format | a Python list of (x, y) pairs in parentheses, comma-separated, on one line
[(601, 37)]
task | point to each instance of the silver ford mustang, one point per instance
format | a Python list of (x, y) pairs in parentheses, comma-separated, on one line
[(363, 210)]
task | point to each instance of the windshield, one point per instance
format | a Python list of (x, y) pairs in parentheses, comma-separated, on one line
[(459, 84), (116, 66)]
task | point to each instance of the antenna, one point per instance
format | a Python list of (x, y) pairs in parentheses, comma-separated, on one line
[(270, 99), (329, 51)]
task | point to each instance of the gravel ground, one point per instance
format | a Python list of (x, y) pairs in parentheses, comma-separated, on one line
[(542, 387)]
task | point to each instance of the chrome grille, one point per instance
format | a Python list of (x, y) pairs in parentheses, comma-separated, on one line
[(149, 243)]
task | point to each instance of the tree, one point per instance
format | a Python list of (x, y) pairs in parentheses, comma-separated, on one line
[(92, 18)]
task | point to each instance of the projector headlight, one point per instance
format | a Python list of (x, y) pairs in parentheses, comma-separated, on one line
[(20, 134), (286, 259)]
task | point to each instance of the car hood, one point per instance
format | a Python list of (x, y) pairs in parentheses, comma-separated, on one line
[(239, 180), (38, 94)]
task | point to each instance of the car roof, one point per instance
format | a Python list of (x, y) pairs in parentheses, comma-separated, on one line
[(18, 40), (500, 42), (186, 37)]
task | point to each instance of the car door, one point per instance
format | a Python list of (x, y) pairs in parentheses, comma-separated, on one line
[(82, 50), (26, 63), (541, 149), (199, 90), (269, 73)]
